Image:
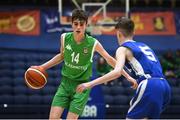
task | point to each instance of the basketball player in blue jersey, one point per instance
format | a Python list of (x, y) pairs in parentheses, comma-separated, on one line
[(153, 92)]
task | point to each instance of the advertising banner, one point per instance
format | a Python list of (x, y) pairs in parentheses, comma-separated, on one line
[(154, 23), (20, 22), (146, 23), (52, 22)]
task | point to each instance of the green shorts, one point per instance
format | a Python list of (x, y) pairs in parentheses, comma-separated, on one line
[(66, 96)]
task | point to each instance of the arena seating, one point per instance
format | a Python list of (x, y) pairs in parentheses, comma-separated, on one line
[(14, 93), (19, 101)]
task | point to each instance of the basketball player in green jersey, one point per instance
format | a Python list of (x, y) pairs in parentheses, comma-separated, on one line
[(77, 49)]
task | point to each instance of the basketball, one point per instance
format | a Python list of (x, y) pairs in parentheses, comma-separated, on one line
[(35, 77)]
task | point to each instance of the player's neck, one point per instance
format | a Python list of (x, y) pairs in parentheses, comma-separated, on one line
[(79, 38), (125, 40)]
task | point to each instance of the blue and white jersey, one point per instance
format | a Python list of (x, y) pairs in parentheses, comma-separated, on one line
[(145, 63)]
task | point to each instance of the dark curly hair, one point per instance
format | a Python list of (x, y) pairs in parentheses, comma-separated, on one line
[(79, 14)]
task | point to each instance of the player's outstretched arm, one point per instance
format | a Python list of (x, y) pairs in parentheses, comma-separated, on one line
[(111, 61), (56, 59), (120, 55)]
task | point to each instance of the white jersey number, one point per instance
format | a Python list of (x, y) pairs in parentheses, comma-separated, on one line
[(75, 57), (148, 53)]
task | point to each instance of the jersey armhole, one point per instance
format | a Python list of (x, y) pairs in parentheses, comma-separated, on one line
[(127, 48), (63, 39), (92, 54)]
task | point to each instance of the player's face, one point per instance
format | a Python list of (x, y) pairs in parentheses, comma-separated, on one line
[(79, 26)]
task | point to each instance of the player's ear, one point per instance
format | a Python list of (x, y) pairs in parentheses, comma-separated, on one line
[(119, 34), (134, 32)]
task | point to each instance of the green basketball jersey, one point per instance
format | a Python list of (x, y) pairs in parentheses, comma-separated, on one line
[(78, 57)]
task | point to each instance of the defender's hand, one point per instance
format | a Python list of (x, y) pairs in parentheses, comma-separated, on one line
[(133, 82), (84, 86)]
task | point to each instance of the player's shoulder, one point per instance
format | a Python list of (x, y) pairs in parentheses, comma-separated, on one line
[(129, 42), (66, 34), (63, 35), (91, 39), (133, 45), (124, 51), (122, 48)]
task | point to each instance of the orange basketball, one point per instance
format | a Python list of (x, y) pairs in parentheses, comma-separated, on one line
[(35, 77)]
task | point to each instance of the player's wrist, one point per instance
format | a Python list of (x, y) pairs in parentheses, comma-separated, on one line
[(91, 85), (43, 67)]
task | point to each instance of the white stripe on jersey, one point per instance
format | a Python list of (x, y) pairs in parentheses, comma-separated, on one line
[(141, 92), (137, 68)]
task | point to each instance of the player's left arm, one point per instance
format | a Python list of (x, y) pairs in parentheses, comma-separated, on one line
[(110, 60), (116, 72), (120, 55)]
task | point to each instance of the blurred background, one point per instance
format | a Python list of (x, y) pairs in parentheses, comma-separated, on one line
[(29, 35)]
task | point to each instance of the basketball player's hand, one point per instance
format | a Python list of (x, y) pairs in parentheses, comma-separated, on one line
[(133, 82), (84, 86), (38, 67), (135, 85)]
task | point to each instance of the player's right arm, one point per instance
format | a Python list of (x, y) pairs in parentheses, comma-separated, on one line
[(56, 59)]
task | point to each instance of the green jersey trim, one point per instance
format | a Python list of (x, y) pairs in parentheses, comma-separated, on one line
[(63, 39), (92, 54)]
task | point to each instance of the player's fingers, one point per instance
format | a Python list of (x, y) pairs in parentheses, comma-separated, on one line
[(79, 89), (133, 86)]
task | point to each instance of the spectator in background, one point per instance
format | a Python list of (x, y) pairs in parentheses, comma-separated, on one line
[(102, 66), (177, 65), (168, 64)]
